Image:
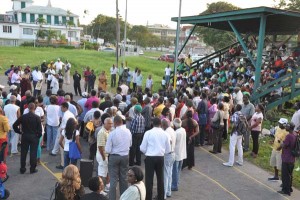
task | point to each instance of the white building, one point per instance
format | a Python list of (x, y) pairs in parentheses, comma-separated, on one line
[(21, 24)]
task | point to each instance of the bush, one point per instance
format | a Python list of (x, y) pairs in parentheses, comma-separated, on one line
[(66, 47), (27, 44)]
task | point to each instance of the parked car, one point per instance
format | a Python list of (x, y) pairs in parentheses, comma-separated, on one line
[(141, 52), (167, 58), (108, 49)]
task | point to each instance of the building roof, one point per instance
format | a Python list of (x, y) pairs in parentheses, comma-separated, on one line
[(248, 20), (24, 0), (46, 10)]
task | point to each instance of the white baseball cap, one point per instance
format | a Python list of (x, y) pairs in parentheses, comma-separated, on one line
[(283, 121)]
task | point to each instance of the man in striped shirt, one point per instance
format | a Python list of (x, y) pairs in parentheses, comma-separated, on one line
[(137, 129)]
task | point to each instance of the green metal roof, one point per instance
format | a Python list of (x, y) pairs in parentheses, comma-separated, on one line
[(248, 20)]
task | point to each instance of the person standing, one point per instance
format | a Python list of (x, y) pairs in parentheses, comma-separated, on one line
[(49, 74), (149, 83), (120, 73), (37, 77), (101, 155), (58, 65), (288, 159), (31, 132), (113, 74), (155, 145), (102, 82), (91, 81), (76, 82), (16, 78), (147, 113), (12, 112), (137, 129), (67, 72), (248, 110), (167, 74), (54, 85), (86, 75), (256, 126), (139, 81), (202, 110), (44, 68), (218, 131), (4, 128), (117, 146), (180, 153), (235, 139), (168, 158)]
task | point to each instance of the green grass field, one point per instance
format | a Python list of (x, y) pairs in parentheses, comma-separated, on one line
[(80, 59)]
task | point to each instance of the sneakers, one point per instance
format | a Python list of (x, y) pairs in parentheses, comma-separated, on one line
[(273, 179), (227, 164), (103, 193), (59, 167), (239, 163), (106, 189)]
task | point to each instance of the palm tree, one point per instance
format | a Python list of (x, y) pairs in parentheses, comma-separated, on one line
[(40, 33), (51, 35), (69, 23)]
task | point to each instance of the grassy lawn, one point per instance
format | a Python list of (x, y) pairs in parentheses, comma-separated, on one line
[(80, 59)]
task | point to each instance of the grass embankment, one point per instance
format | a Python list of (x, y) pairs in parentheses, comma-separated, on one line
[(80, 59)]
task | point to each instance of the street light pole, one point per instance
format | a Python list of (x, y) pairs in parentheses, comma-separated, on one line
[(117, 32), (176, 45), (125, 37)]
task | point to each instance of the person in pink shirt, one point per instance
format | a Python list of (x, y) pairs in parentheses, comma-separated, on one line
[(88, 103), (256, 126)]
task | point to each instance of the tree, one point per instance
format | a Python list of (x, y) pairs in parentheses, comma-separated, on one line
[(40, 33), (216, 38), (51, 34), (293, 5)]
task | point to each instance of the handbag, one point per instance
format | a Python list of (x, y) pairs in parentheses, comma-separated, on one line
[(216, 124), (74, 152)]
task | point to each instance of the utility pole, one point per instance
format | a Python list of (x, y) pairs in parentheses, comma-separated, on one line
[(117, 32), (176, 45), (125, 37)]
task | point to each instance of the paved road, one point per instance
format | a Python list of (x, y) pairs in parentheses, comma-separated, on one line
[(208, 180)]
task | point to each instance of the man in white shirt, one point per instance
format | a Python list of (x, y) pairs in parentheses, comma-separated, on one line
[(167, 74), (180, 153), (52, 122), (12, 112), (237, 96), (50, 73), (37, 77), (66, 115), (54, 85), (58, 65), (296, 117), (113, 74), (117, 146), (169, 158), (67, 72), (155, 145), (72, 108), (16, 78), (124, 88)]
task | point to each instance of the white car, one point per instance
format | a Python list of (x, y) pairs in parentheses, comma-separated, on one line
[(141, 52)]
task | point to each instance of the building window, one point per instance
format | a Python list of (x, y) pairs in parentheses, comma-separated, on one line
[(64, 20), (32, 18), (23, 4), (72, 34), (56, 20), (7, 29), (24, 17), (71, 19), (41, 16), (48, 19), (27, 31)]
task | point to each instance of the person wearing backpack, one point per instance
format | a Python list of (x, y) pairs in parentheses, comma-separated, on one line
[(288, 159), (239, 123), (275, 160)]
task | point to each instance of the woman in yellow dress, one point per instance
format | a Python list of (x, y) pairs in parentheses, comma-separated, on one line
[(102, 82)]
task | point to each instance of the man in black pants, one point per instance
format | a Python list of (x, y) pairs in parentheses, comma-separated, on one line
[(77, 88), (31, 133), (155, 145)]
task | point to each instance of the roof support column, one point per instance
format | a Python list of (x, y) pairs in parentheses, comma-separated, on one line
[(260, 46), (241, 41), (186, 40), (176, 45)]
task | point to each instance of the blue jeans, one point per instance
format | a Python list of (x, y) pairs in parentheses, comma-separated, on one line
[(167, 79), (51, 136), (168, 166), (68, 161), (176, 174)]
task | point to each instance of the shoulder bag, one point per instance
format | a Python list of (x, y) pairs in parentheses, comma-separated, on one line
[(216, 124), (74, 152)]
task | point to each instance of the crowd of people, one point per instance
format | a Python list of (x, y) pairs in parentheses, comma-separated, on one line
[(165, 125)]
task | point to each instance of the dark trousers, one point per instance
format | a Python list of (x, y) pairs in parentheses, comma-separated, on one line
[(217, 138), (48, 84), (90, 87), (133, 86), (77, 88), (287, 176), (225, 129), (135, 149), (29, 141), (255, 135), (81, 127), (190, 154), (93, 151), (154, 164), (113, 80), (35, 92), (201, 136)]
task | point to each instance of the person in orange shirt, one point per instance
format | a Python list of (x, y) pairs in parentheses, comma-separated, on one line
[(4, 128)]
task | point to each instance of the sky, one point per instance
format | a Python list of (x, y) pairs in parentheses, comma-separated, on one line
[(139, 12)]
